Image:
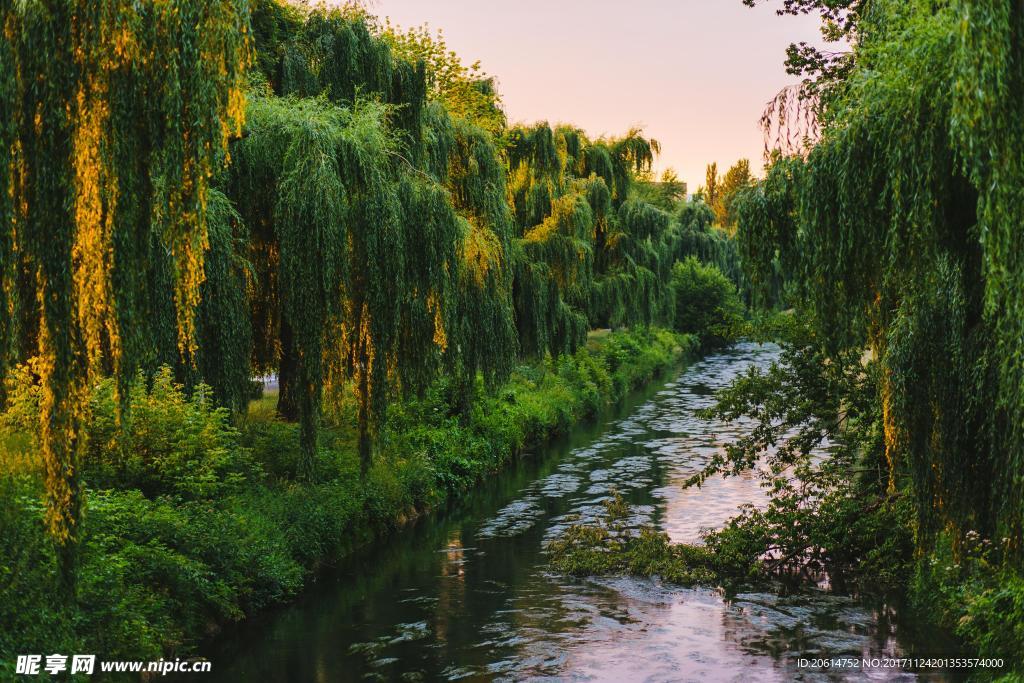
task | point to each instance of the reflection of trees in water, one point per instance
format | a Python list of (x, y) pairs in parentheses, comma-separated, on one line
[(810, 625), (451, 589)]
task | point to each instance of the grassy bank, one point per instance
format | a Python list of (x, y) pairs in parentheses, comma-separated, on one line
[(195, 518)]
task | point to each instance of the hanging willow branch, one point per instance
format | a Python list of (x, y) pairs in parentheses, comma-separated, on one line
[(789, 122)]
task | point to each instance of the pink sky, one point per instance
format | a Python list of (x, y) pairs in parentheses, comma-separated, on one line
[(694, 73)]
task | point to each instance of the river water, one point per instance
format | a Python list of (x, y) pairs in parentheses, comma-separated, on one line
[(467, 594)]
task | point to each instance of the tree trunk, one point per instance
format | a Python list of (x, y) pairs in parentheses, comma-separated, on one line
[(309, 424), (365, 439), (288, 376)]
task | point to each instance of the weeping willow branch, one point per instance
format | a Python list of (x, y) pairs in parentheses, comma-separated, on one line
[(789, 122)]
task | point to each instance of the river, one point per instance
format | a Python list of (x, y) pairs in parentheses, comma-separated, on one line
[(467, 593)]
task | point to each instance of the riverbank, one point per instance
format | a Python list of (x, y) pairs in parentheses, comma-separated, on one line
[(194, 520)]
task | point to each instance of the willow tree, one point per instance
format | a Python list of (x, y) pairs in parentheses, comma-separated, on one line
[(552, 254), (8, 135), (467, 92), (988, 135), (637, 259), (900, 228), (694, 234), (335, 53), (481, 325), (583, 258), (634, 249), (225, 335), (380, 227), (363, 250), (115, 116)]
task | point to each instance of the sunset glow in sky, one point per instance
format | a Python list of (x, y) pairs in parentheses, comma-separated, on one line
[(694, 73)]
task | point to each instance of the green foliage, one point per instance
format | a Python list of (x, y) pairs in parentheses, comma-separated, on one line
[(370, 253), (723, 191), (224, 328), (822, 464), (988, 135), (353, 225), (411, 228), (817, 440), (895, 231), (766, 213), (706, 303), (466, 92), (157, 572), (972, 592), (163, 442), (481, 332), (710, 192), (612, 547), (607, 253), (637, 254), (166, 443), (694, 235), (33, 620), (273, 23), (666, 193), (8, 264), (423, 190), (335, 52)]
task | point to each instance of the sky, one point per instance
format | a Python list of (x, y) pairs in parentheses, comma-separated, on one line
[(695, 74)]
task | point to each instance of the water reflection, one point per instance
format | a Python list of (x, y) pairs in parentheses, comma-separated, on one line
[(468, 595)]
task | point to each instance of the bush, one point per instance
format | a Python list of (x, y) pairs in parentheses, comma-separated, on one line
[(156, 573), (610, 546), (977, 595), (706, 303), (32, 620), (163, 441)]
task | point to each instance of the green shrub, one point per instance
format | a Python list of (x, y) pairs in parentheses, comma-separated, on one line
[(706, 303), (609, 546), (274, 444), (165, 443), (33, 620), (975, 594)]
